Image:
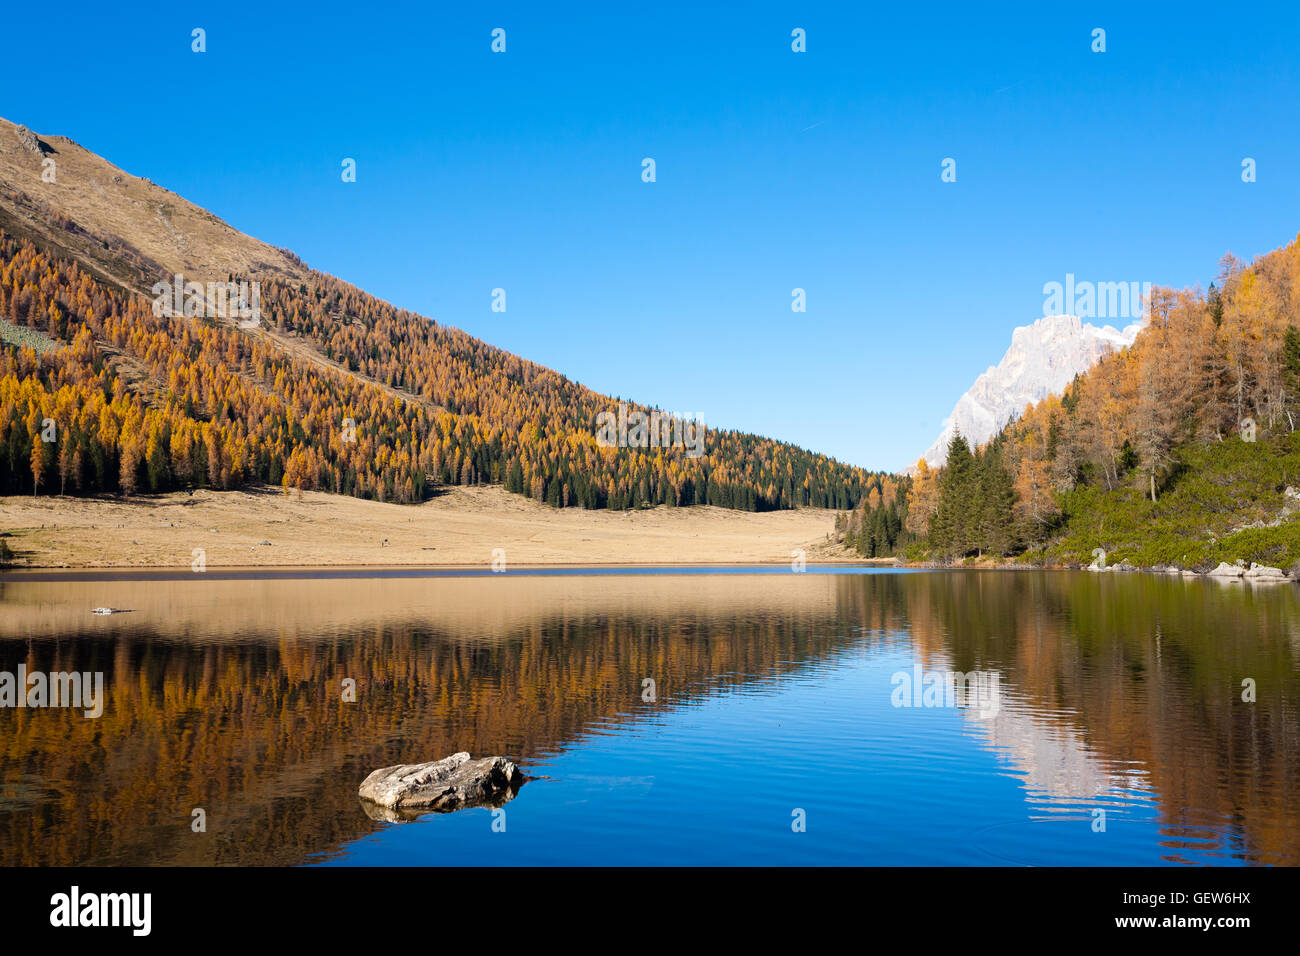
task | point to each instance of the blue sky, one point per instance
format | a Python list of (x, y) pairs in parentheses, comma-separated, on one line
[(775, 170)]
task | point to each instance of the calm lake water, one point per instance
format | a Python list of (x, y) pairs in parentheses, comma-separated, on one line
[(772, 734)]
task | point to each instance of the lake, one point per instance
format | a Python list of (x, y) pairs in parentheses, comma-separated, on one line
[(741, 716)]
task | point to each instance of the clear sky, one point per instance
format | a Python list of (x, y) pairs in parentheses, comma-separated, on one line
[(774, 170)]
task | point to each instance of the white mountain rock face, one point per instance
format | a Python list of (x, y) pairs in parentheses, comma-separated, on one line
[(1043, 359)]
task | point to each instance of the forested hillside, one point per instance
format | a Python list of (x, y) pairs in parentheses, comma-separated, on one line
[(336, 391), (1177, 450)]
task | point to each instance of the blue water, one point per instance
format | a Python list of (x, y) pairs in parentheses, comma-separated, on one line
[(777, 733), (719, 782)]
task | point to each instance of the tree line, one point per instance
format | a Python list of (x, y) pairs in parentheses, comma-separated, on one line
[(129, 401), (1208, 367)]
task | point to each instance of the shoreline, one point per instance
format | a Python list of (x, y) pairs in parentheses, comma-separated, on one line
[(463, 531), (270, 571), (1240, 571)]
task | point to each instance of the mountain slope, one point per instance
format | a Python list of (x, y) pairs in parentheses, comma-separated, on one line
[(150, 230), (126, 229), (1181, 450), (332, 389), (1043, 359)]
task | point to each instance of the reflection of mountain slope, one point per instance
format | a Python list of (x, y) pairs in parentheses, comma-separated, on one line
[(1130, 682), (481, 608), (1135, 683), (1051, 757), (225, 695)]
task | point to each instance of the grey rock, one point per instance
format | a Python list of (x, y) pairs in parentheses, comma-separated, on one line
[(1226, 570), (28, 141), (451, 783), (1262, 572)]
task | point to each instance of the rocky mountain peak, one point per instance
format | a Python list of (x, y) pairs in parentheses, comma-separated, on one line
[(1043, 359)]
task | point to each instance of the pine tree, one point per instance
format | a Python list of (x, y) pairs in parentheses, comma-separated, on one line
[(996, 500), (1291, 374), (952, 531)]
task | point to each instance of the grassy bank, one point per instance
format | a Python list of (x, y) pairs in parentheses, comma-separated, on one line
[(1226, 501)]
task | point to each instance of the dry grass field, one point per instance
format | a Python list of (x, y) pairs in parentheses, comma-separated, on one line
[(460, 528)]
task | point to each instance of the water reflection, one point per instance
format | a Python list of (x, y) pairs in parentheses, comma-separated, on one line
[(1121, 693), (1129, 690)]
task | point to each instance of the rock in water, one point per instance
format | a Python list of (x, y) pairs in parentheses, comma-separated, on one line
[(1261, 572), (443, 785), (1226, 570)]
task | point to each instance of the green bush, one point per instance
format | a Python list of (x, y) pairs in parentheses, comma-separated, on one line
[(1200, 518)]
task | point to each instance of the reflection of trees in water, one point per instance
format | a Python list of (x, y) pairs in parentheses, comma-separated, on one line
[(255, 732), (1141, 672), (1138, 672)]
